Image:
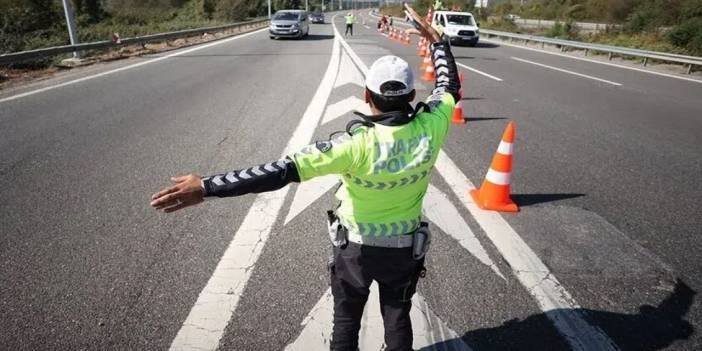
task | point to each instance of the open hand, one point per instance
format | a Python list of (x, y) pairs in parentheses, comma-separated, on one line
[(424, 29), (186, 191)]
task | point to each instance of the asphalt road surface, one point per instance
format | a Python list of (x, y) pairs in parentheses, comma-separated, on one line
[(605, 253)]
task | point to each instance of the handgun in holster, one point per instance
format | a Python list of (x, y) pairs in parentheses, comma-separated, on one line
[(420, 246), (337, 232)]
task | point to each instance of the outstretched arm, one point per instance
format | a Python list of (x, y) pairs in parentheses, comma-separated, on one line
[(192, 189), (335, 156)]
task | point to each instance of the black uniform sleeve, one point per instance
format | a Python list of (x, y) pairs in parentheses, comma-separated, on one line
[(262, 178), (447, 80)]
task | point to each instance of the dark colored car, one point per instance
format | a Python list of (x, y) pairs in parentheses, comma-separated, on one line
[(317, 17)]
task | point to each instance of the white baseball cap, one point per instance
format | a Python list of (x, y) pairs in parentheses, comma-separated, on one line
[(390, 69)]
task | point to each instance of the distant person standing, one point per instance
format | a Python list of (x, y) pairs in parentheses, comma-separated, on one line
[(349, 23)]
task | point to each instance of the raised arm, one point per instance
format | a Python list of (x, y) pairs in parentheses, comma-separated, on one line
[(447, 80)]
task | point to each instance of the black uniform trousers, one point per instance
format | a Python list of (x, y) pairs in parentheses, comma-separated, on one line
[(353, 270)]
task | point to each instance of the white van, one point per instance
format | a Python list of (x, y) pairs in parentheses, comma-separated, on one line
[(458, 27)]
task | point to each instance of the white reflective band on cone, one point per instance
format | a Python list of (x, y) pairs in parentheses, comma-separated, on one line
[(505, 148), (499, 178)]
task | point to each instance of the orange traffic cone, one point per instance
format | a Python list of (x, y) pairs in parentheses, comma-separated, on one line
[(494, 194), (429, 74), (458, 114), (427, 61), (461, 77), (407, 40), (422, 51)]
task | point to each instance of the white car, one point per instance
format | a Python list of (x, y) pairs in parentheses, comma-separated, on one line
[(457, 27)]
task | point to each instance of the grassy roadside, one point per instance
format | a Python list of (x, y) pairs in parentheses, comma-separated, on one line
[(646, 40), (11, 77), (654, 41)]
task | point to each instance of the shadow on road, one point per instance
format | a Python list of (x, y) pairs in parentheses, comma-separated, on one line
[(533, 199), (652, 328), (480, 119), (311, 37), (486, 45)]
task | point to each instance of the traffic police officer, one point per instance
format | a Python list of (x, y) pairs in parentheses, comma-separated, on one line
[(385, 162), (349, 23)]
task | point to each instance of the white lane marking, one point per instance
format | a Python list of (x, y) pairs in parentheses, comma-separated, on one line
[(558, 305), (440, 211), (343, 107), (536, 278), (430, 333), (102, 74), (479, 72), (308, 192), (216, 303), (566, 71), (348, 73), (594, 61)]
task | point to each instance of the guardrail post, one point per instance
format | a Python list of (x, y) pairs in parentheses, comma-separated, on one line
[(562, 48), (586, 50), (689, 68), (609, 56), (645, 61), (71, 24)]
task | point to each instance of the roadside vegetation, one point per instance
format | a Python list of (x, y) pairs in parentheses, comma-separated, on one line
[(661, 25)]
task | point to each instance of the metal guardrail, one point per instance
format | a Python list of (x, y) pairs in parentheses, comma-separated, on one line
[(56, 50), (690, 61)]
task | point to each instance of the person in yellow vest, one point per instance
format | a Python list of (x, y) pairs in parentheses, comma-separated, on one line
[(350, 19), (384, 161)]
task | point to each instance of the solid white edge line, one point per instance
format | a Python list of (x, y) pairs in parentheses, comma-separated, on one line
[(593, 61), (566, 71), (102, 74), (212, 312), (551, 296), (479, 72), (553, 299), (354, 57)]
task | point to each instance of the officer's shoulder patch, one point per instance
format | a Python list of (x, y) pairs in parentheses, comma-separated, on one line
[(323, 145)]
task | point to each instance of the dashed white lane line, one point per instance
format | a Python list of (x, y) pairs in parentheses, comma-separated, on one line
[(556, 302), (566, 71), (593, 61), (479, 72), (102, 74), (205, 324)]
